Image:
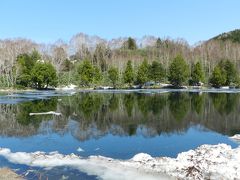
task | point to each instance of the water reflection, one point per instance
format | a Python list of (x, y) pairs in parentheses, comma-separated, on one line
[(179, 104), (225, 103), (92, 115), (128, 100), (23, 110), (197, 102)]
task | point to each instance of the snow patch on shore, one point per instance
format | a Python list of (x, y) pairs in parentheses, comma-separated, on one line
[(67, 88), (236, 138), (141, 157), (206, 162)]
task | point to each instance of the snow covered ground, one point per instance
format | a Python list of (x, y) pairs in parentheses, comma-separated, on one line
[(206, 162), (67, 88)]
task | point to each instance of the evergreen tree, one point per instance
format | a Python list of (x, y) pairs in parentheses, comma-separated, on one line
[(231, 73), (44, 75), (197, 74), (156, 72), (35, 55), (128, 75), (86, 73), (130, 44), (224, 74), (178, 71), (113, 75), (158, 43), (97, 75), (143, 73), (23, 70), (25, 64), (218, 77)]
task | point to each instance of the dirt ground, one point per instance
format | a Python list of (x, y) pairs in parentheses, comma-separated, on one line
[(8, 174)]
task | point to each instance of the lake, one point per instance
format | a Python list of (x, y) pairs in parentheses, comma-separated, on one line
[(116, 124)]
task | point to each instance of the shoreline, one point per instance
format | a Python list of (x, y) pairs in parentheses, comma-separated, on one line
[(187, 89), (205, 162)]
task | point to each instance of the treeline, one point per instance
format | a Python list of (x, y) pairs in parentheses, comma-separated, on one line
[(119, 62), (178, 74), (31, 71)]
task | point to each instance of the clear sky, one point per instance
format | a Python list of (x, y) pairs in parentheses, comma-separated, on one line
[(50, 20)]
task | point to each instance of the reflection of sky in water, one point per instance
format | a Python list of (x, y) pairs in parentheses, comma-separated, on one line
[(113, 138), (111, 146), (115, 146)]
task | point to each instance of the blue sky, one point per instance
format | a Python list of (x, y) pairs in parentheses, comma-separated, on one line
[(50, 20)]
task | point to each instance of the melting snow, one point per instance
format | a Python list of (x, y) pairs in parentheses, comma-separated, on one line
[(67, 88), (206, 162), (236, 138)]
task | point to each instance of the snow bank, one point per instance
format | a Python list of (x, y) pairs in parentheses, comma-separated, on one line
[(236, 138), (68, 87), (142, 157), (45, 113), (104, 88), (105, 168), (165, 85), (206, 162), (225, 87)]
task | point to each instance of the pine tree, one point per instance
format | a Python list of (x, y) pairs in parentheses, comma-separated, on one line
[(143, 73), (35, 55), (97, 75), (128, 75), (178, 71), (130, 44), (231, 73), (224, 74), (218, 77), (86, 73), (25, 64), (156, 72), (113, 75), (158, 43), (197, 74), (44, 75)]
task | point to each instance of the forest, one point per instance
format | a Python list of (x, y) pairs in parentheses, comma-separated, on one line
[(90, 61)]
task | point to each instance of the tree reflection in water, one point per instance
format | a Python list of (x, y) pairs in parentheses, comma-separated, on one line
[(179, 105), (97, 114)]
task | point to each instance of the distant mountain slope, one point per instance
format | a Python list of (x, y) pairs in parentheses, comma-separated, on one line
[(233, 36)]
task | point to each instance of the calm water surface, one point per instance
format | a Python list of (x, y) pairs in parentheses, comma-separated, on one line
[(117, 125)]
